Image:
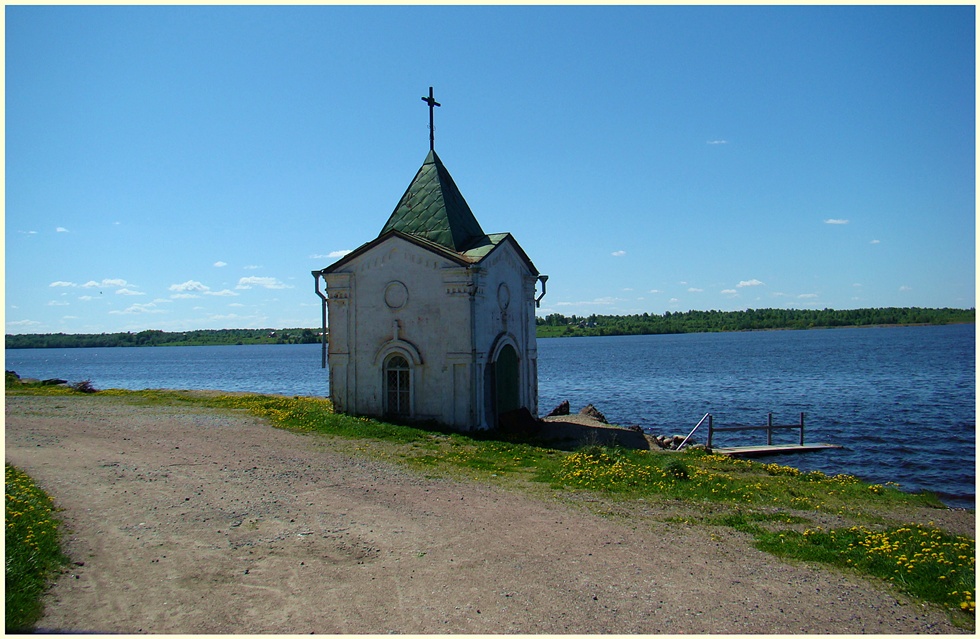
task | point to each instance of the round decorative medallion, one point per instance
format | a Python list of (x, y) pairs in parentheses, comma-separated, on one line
[(503, 296), (396, 295)]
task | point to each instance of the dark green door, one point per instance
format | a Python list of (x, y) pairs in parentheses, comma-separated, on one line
[(508, 380)]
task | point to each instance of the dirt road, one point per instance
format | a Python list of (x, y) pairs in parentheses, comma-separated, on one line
[(187, 520)]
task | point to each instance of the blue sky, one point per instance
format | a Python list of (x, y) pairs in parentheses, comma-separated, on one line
[(179, 168)]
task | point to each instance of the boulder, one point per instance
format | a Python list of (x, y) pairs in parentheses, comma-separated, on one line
[(560, 409), (593, 412)]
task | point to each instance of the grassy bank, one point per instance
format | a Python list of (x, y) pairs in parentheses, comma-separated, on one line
[(32, 552), (867, 529)]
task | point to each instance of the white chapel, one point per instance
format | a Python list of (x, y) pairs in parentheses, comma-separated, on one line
[(433, 320)]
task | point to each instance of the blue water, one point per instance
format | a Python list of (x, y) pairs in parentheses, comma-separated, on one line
[(901, 400)]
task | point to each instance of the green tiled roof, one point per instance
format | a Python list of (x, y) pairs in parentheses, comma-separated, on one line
[(433, 214), (434, 209)]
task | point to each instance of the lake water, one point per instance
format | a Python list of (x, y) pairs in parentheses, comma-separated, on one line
[(901, 400)]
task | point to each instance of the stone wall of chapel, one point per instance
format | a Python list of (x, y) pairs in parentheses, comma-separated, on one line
[(448, 316), (428, 298), (506, 307)]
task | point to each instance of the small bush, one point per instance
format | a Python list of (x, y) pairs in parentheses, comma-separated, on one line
[(677, 469), (84, 387)]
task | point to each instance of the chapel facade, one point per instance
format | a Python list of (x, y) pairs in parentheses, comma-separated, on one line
[(433, 320)]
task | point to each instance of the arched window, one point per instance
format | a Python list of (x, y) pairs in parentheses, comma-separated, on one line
[(398, 390)]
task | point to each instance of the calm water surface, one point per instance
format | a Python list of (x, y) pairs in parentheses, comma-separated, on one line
[(901, 400)]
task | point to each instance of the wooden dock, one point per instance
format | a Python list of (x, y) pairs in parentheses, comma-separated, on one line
[(776, 449), (760, 450)]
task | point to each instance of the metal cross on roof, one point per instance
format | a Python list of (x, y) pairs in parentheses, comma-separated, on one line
[(431, 101)]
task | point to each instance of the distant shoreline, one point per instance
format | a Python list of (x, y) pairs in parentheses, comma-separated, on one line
[(766, 330), (553, 325), (557, 325)]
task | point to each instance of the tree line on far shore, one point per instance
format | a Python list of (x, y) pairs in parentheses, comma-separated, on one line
[(554, 325), (220, 337), (558, 325)]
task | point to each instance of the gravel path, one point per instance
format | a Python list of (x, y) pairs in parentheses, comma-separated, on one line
[(188, 520)]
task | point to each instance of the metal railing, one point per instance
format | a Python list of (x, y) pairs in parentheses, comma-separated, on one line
[(706, 416), (769, 427)]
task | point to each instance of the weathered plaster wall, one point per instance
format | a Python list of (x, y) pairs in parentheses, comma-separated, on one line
[(446, 319)]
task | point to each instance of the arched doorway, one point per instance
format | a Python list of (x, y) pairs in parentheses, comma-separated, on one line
[(507, 381)]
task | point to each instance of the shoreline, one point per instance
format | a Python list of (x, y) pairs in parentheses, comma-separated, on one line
[(571, 430), (266, 336)]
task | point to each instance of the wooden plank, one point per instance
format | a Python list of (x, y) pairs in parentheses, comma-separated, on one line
[(776, 449)]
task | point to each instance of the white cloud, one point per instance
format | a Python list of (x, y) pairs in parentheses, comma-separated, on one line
[(252, 267), (126, 291), (876, 241), (23, 323), (653, 290), (220, 264), (60, 283), (807, 296), (599, 301), (190, 285), (183, 296), (61, 229), (695, 290), (105, 282), (729, 291), (222, 293), (752, 282), (57, 303), (137, 309), (717, 141), (264, 282), (904, 288), (238, 319), (673, 300), (836, 221), (618, 253), (27, 232), (331, 254)]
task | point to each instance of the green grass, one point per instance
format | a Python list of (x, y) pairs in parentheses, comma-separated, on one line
[(922, 561), (33, 553), (768, 501), (696, 476)]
